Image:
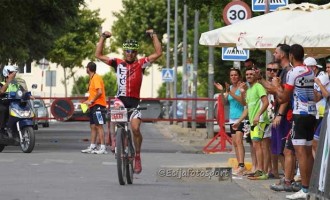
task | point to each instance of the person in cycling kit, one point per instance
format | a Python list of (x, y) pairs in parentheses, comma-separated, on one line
[(129, 72)]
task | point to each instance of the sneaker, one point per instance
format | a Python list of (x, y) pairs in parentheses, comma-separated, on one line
[(100, 151), (137, 165), (258, 175), (88, 150), (282, 185), (239, 172), (298, 195)]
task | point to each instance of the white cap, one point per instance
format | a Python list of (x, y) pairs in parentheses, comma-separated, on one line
[(319, 66), (309, 61)]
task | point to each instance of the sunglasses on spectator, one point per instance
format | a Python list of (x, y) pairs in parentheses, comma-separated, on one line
[(130, 51), (270, 70)]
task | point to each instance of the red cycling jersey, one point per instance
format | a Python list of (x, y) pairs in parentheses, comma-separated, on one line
[(129, 76)]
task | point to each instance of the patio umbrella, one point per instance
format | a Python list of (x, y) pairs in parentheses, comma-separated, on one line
[(304, 24), (309, 30), (232, 35)]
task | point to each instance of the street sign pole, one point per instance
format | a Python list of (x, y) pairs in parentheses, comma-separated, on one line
[(175, 57), (168, 53), (43, 65), (210, 75), (184, 64), (233, 12)]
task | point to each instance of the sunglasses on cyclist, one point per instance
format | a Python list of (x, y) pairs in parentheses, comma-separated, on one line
[(130, 51), (270, 70)]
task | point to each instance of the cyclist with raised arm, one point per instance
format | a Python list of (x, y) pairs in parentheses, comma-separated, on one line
[(129, 72)]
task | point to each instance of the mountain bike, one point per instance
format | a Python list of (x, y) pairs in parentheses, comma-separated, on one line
[(124, 149)]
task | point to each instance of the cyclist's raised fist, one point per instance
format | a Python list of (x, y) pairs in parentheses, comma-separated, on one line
[(106, 34)]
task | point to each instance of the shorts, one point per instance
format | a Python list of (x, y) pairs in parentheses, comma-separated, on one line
[(239, 128), (279, 135), (268, 131), (97, 115), (303, 129), (258, 131), (131, 102)]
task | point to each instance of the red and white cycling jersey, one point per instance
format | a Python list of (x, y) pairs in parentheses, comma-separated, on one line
[(129, 76), (300, 79)]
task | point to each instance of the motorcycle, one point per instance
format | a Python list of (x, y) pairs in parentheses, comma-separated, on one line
[(21, 122)]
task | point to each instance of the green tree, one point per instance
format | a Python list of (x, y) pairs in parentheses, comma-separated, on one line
[(110, 84), (29, 27), (80, 86), (77, 44)]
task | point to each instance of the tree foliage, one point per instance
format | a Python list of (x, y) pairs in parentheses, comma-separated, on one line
[(77, 44), (29, 27)]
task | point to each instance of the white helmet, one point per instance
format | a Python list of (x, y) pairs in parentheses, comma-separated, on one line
[(7, 69)]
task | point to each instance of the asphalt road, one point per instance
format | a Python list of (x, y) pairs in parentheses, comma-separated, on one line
[(57, 170)]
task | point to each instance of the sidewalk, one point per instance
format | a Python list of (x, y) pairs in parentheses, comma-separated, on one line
[(194, 141)]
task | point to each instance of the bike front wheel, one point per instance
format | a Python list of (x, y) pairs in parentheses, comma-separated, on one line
[(130, 159), (120, 156)]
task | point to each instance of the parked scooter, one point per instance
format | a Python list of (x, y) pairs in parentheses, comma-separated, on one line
[(19, 129)]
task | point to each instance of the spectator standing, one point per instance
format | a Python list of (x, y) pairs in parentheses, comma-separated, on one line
[(97, 103), (256, 105), (271, 71), (233, 96), (281, 143)]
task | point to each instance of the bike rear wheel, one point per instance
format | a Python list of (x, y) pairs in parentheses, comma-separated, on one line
[(120, 156), (130, 159)]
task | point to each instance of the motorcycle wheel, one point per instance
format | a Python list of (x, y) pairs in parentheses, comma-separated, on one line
[(2, 147), (28, 142)]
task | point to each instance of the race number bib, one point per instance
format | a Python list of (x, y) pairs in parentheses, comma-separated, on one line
[(118, 115), (311, 107)]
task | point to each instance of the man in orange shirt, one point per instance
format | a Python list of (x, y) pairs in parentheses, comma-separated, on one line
[(97, 103)]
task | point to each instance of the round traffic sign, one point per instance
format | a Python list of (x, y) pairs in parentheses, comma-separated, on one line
[(62, 109), (236, 11)]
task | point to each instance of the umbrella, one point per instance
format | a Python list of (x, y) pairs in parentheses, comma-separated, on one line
[(309, 30), (232, 35), (289, 24)]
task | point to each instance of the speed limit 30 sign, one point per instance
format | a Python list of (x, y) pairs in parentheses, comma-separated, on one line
[(236, 11)]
